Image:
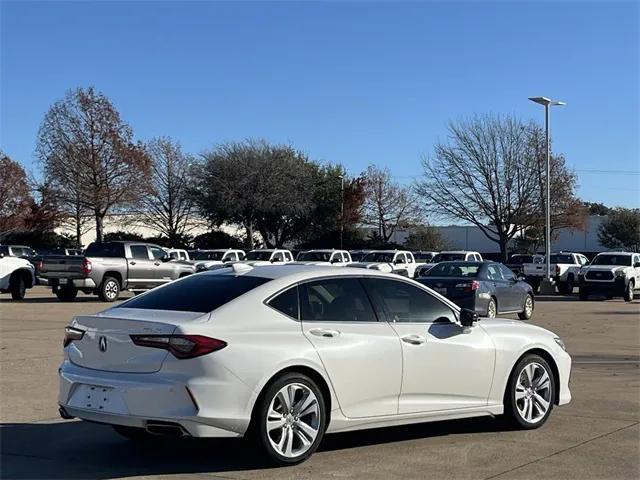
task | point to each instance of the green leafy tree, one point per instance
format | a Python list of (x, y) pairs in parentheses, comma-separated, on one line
[(621, 229)]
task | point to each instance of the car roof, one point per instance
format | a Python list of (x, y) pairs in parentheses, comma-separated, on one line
[(617, 253), (295, 272)]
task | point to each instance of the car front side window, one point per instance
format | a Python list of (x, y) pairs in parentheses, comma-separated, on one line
[(139, 252), (335, 300), (401, 302)]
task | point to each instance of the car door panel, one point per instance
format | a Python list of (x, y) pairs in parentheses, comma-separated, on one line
[(445, 366), (141, 267), (362, 356)]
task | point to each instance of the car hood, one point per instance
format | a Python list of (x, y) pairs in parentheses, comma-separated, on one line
[(500, 324), (603, 268)]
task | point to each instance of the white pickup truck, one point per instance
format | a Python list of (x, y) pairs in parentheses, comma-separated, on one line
[(208, 259), (390, 261), (564, 271), (267, 256), (611, 274), (448, 256), (16, 275), (336, 258)]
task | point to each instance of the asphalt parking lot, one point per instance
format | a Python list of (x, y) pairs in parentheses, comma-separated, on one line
[(596, 436)]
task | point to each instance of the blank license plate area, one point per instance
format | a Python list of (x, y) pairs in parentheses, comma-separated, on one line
[(63, 281), (94, 397)]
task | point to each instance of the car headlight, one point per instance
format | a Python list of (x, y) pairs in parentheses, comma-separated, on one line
[(561, 343), (620, 273)]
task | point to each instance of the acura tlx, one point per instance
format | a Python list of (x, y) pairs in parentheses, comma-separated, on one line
[(285, 354)]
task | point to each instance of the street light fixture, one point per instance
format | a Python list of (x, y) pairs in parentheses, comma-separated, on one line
[(547, 287)]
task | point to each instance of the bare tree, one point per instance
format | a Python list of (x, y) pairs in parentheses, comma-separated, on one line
[(167, 208), (89, 156), (484, 175), (387, 205), (15, 195)]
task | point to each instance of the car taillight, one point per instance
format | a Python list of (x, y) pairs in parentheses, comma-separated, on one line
[(86, 266), (39, 266), (469, 286), (181, 346), (71, 334)]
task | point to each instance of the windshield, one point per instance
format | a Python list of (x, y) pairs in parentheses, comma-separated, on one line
[(608, 259), (426, 257), (559, 258), (448, 257), (454, 270), (207, 255), (521, 259), (259, 255), (378, 257), (314, 256), (356, 257)]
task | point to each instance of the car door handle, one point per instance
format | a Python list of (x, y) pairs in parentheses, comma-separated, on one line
[(414, 339), (156, 264), (132, 263), (323, 332)]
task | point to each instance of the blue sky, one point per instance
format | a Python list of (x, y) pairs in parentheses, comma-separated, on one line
[(354, 83)]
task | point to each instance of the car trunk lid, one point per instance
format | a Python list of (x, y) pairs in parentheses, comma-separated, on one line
[(106, 344)]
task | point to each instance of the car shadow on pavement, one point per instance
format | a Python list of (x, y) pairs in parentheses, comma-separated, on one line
[(74, 450)]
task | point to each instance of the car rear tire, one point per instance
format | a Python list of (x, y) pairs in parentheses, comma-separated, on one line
[(109, 289), (290, 419), (66, 293), (492, 308), (530, 393), (527, 309), (18, 287), (628, 292)]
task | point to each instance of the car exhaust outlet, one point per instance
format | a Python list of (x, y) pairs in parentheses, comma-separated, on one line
[(63, 413), (166, 429)]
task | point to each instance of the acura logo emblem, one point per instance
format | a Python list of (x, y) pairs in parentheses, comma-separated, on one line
[(102, 344)]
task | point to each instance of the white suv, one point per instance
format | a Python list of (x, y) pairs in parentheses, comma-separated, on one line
[(612, 274), (208, 259), (336, 258), (267, 256), (390, 261), (449, 256), (16, 275)]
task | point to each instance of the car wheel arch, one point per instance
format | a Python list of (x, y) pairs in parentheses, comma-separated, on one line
[(25, 274), (541, 352), (115, 275), (314, 374)]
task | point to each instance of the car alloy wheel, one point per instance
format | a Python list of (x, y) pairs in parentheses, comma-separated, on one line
[(491, 309), (527, 311), (628, 295), (110, 289), (533, 396), (293, 420), (290, 419)]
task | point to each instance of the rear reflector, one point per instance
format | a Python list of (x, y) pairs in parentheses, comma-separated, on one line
[(71, 334), (180, 346)]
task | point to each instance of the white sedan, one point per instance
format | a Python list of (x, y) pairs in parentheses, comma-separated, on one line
[(285, 354)]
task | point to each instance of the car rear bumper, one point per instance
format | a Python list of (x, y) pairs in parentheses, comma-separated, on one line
[(201, 406), (76, 282)]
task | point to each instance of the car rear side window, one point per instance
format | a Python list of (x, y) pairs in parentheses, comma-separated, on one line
[(401, 302), (287, 302), (198, 293), (108, 250), (335, 300)]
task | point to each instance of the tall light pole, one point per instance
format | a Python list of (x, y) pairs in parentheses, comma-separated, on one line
[(341, 210), (547, 287)]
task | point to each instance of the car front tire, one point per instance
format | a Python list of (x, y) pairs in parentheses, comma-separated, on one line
[(18, 287), (628, 292), (527, 310), (290, 419), (530, 393)]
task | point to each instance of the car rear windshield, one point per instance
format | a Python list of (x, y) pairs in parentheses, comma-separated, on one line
[(521, 259), (314, 256), (378, 257), (454, 270), (266, 256), (561, 259), (207, 255), (612, 260), (198, 293), (109, 249)]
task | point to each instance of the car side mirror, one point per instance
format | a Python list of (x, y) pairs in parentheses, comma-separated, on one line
[(521, 278), (468, 317)]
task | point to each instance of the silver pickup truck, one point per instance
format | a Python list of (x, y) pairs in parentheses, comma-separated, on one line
[(110, 267)]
